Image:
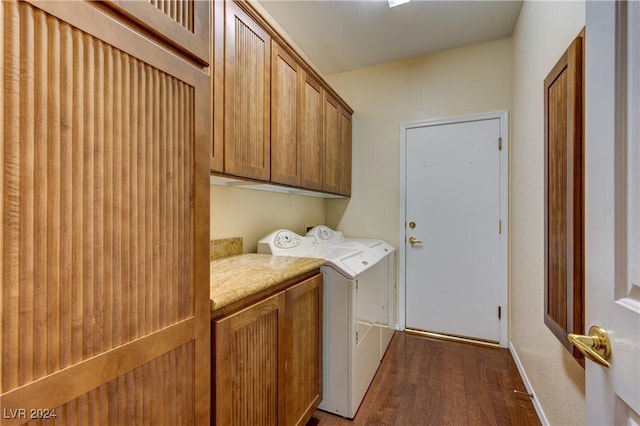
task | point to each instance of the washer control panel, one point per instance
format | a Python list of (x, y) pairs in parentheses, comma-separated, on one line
[(325, 233), (287, 240)]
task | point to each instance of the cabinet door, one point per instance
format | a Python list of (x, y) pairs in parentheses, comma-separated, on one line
[(247, 96), (285, 99), (248, 348), (303, 391), (331, 157), (182, 24), (345, 153), (217, 87), (105, 221), (311, 143)]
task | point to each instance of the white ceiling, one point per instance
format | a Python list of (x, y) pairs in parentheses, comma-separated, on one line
[(338, 35)]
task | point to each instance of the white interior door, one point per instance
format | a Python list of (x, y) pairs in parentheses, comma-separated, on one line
[(613, 207), (453, 208)]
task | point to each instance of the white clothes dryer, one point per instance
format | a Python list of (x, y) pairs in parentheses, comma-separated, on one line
[(388, 278)]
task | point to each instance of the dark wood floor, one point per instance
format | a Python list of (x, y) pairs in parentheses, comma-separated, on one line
[(424, 381)]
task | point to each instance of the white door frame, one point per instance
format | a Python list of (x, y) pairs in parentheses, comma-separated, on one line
[(503, 116)]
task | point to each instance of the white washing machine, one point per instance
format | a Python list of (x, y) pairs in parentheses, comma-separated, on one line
[(387, 254), (350, 335)]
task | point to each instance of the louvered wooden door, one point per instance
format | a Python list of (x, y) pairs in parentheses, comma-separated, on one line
[(105, 210)]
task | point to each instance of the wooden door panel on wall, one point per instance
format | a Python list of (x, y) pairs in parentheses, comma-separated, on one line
[(311, 143), (247, 106), (285, 98), (557, 199), (105, 211), (183, 24), (564, 197)]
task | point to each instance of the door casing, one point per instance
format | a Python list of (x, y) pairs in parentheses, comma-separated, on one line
[(503, 116)]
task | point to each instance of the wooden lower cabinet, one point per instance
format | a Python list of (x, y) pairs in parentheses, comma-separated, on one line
[(303, 357), (268, 359), (248, 345)]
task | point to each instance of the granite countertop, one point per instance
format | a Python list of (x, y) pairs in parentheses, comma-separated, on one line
[(238, 277)]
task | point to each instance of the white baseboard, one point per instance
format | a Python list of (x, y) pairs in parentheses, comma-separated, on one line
[(527, 385)]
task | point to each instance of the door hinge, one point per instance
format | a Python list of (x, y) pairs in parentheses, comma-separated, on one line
[(356, 284), (499, 312), (500, 144), (356, 337), (499, 226)]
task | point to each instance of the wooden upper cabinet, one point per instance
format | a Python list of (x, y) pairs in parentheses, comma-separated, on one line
[(285, 117), (184, 25), (311, 143), (337, 147), (296, 123), (217, 87), (247, 105), (332, 151), (345, 153), (278, 121)]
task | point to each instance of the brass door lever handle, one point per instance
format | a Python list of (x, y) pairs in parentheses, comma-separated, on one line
[(596, 346), (414, 240)]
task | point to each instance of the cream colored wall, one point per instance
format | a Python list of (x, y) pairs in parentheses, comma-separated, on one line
[(543, 32), (251, 214), (466, 80)]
